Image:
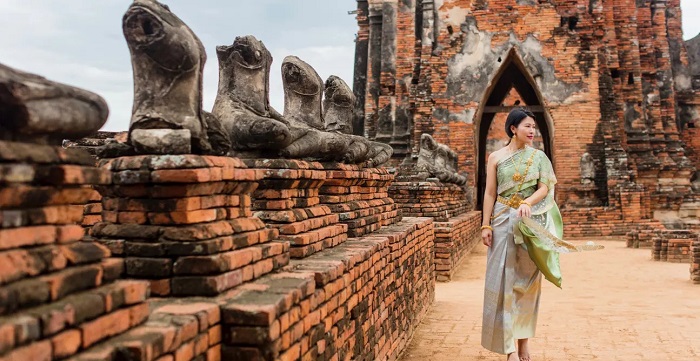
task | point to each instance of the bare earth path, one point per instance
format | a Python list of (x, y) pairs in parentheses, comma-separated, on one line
[(616, 304)]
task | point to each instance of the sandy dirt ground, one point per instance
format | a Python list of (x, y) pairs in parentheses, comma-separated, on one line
[(616, 304)]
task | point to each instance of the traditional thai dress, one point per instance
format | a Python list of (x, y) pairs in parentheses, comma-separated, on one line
[(522, 250)]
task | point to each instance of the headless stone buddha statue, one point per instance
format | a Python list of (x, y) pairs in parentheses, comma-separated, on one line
[(243, 103), (168, 61), (425, 166), (436, 160), (303, 89), (587, 165), (36, 110), (379, 153), (453, 166), (442, 161), (338, 108)]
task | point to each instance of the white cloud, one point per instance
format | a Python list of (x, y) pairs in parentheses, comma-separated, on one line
[(691, 18)]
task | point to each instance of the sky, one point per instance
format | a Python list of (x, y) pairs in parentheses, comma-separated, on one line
[(80, 42)]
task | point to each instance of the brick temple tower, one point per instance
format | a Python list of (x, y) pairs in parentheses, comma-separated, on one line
[(608, 80)]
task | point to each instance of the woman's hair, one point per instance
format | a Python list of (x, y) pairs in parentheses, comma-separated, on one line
[(515, 117)]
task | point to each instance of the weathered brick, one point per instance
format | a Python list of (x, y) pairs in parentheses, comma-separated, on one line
[(66, 343), (37, 351)]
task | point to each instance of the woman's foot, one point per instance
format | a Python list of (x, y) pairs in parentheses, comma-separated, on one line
[(523, 350), (513, 356)]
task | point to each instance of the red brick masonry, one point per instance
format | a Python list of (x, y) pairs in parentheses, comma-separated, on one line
[(59, 293), (214, 237), (456, 230)]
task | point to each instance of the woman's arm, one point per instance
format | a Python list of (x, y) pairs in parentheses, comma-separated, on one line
[(489, 200), (525, 209)]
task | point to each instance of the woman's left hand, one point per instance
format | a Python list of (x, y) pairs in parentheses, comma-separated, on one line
[(524, 211)]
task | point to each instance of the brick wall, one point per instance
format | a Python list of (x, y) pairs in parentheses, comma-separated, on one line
[(224, 230), (454, 239), (456, 229), (361, 300), (60, 293)]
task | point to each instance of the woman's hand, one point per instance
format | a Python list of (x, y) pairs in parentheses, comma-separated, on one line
[(524, 211), (486, 237)]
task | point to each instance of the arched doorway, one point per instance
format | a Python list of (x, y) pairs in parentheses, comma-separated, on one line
[(512, 76)]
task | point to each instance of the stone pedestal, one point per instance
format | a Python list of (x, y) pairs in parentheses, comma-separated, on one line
[(185, 223), (583, 196), (643, 235)]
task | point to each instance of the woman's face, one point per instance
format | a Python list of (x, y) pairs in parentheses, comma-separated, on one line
[(525, 132)]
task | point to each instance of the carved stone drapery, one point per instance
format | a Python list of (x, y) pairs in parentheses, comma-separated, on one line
[(242, 102), (303, 90), (436, 160)]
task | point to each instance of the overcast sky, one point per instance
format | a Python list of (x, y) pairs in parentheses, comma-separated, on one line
[(80, 42)]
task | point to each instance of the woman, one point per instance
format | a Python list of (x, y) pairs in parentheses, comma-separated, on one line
[(522, 227)]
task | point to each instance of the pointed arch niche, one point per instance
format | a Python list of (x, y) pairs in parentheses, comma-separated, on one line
[(512, 75)]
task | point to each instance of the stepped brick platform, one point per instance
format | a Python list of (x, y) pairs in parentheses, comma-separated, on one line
[(456, 229), (59, 292), (454, 239), (361, 300), (177, 329), (673, 246), (287, 199), (359, 196), (429, 199), (185, 223)]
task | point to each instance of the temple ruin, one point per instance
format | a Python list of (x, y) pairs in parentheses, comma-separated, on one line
[(612, 84), (318, 232)]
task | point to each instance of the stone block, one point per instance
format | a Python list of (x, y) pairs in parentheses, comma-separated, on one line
[(161, 141)]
